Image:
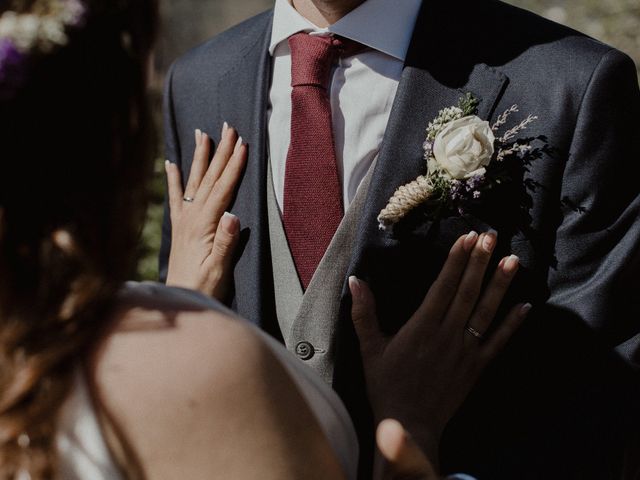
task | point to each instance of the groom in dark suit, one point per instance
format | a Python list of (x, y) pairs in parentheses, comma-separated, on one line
[(559, 402)]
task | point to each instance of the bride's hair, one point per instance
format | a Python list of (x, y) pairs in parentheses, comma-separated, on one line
[(75, 156)]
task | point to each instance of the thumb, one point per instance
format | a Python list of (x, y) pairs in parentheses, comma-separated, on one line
[(406, 459), (226, 239), (364, 317), (222, 252)]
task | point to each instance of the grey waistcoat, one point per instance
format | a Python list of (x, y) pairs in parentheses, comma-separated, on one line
[(308, 319)]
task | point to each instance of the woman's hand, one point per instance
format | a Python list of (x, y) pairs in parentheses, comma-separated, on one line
[(204, 237), (422, 375)]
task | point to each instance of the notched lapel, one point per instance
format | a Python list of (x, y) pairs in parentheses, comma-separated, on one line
[(242, 102), (419, 98), (243, 89), (435, 76)]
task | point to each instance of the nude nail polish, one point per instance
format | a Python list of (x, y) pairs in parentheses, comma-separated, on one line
[(525, 309), (489, 241), (511, 264), (470, 241), (229, 223), (354, 286), (238, 145)]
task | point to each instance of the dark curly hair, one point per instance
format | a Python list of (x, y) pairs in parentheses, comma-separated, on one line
[(75, 156)]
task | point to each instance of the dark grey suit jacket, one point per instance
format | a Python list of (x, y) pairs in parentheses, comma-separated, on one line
[(559, 402)]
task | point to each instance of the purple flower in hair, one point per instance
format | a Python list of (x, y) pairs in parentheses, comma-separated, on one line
[(10, 57), (12, 64)]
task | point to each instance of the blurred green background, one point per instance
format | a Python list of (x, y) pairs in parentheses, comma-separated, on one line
[(186, 23)]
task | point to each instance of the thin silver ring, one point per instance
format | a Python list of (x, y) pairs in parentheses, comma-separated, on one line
[(188, 199), (474, 332)]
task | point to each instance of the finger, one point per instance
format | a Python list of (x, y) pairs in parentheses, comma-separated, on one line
[(505, 331), (406, 459), (365, 319), (225, 187), (223, 154), (226, 239), (174, 186), (488, 305), (199, 164), (222, 252), (441, 293), (470, 287)]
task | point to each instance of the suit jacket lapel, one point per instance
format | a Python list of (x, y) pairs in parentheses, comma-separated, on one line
[(440, 67), (243, 102), (437, 73)]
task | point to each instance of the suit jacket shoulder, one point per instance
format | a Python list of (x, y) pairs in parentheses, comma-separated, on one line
[(548, 51), (221, 53), (534, 52)]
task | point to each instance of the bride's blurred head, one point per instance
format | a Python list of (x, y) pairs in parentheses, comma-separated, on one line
[(75, 154)]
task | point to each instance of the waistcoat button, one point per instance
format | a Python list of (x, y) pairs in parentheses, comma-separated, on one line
[(305, 350)]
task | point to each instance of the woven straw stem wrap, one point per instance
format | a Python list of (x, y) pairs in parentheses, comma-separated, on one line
[(405, 199)]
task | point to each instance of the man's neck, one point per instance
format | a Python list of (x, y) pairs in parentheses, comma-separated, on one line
[(323, 13)]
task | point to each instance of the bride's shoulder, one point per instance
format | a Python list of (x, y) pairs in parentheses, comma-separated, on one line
[(159, 333), (177, 370)]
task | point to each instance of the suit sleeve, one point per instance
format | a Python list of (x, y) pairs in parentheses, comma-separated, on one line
[(597, 278), (172, 153)]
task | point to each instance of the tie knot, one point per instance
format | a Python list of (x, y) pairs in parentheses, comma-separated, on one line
[(313, 56)]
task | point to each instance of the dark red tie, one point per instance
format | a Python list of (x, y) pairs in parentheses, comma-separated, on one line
[(313, 206)]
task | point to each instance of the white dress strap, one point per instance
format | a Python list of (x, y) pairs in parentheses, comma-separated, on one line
[(82, 451)]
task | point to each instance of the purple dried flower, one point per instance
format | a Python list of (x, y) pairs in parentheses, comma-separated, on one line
[(475, 181), (458, 191), (12, 67), (10, 57)]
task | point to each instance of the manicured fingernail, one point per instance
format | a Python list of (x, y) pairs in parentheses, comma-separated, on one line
[(198, 136), (229, 223), (525, 309), (489, 241), (354, 286), (225, 127), (167, 163), (238, 145), (511, 265), (470, 241)]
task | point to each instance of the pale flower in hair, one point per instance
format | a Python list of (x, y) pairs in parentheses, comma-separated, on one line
[(25, 34)]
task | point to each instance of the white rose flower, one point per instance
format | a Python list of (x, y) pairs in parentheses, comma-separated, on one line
[(463, 148)]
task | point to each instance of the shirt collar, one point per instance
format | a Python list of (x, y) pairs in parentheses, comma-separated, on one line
[(384, 25)]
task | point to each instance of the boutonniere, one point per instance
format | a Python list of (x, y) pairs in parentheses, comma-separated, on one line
[(465, 157)]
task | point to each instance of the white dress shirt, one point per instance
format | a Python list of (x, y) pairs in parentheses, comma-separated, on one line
[(363, 87)]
